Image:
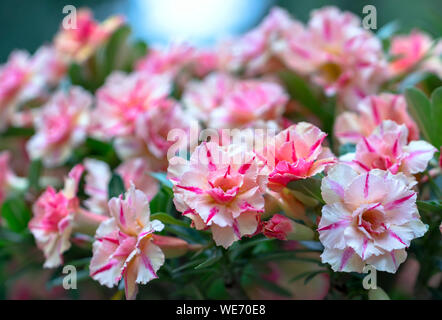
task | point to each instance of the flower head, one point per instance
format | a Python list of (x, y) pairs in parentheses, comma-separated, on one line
[(124, 245), (248, 102), (340, 55), (409, 50), (137, 172), (278, 227), (24, 78), (350, 127), (96, 185), (123, 99), (80, 41), (368, 218), (387, 149), (219, 188), (61, 126), (53, 219), (296, 153)]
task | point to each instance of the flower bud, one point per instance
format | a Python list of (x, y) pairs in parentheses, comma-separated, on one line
[(283, 228)]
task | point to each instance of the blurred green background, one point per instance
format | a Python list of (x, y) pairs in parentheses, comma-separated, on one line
[(27, 24)]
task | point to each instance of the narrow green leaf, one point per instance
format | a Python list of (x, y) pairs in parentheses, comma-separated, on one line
[(114, 49), (273, 287), (211, 261), (16, 214), (168, 219), (420, 108), (436, 117), (34, 174), (430, 206), (116, 186)]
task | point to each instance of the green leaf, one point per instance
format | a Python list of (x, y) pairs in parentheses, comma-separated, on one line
[(16, 214), (168, 219), (211, 261), (310, 187), (436, 116), (116, 186), (34, 174), (162, 202), (18, 132), (312, 275), (426, 114), (75, 74), (273, 287), (430, 206), (114, 50)]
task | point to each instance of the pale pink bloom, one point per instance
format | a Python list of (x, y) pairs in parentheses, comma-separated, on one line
[(340, 55), (166, 61), (368, 218), (387, 149), (123, 99), (254, 52), (24, 78), (96, 185), (350, 127), (137, 172), (176, 59), (219, 189), (278, 227), (154, 127), (200, 98), (8, 180), (53, 219), (409, 50), (78, 42), (124, 245), (61, 126), (248, 102), (296, 153)]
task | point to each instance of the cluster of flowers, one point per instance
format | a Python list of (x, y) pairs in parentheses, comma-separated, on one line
[(370, 214)]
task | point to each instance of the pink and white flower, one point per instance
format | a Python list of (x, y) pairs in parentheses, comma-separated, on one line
[(176, 59), (249, 102), (220, 189), (387, 149), (351, 127), (296, 153), (61, 126), (368, 218), (154, 127), (409, 50), (53, 219), (278, 227), (81, 40), (137, 172), (124, 246), (340, 55), (24, 78), (123, 99), (96, 185), (255, 52), (201, 98)]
